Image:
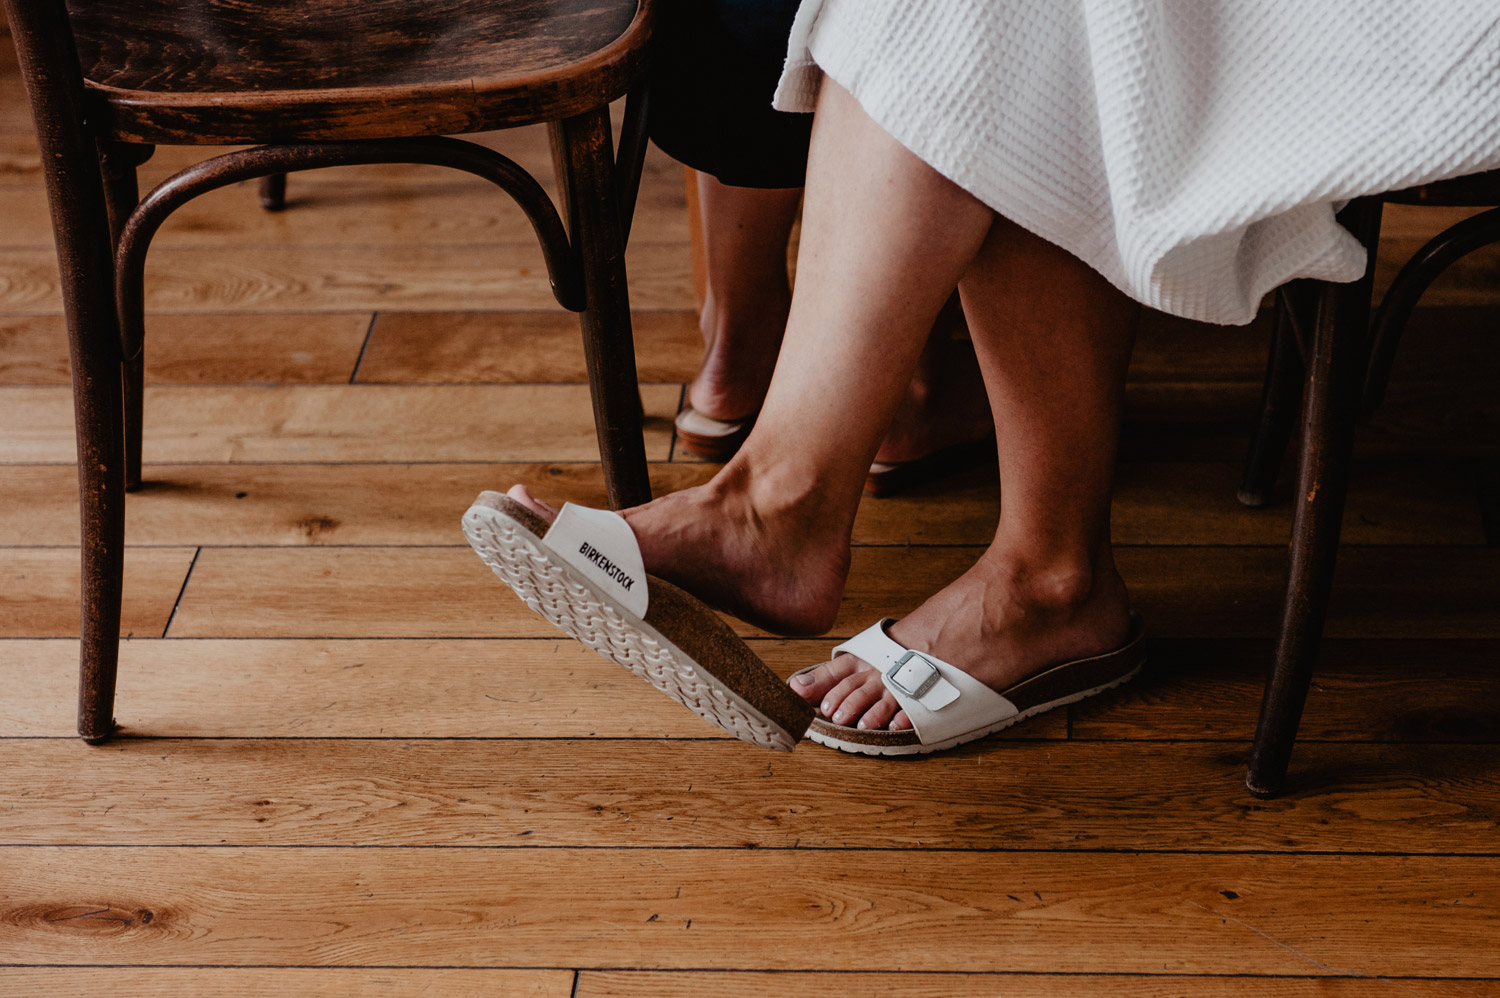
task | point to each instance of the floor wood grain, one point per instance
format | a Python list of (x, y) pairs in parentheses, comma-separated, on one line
[(762, 909)]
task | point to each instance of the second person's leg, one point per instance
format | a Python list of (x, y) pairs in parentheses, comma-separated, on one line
[(744, 232)]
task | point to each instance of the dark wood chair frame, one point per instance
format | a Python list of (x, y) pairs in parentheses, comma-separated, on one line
[(1332, 363), (103, 230)]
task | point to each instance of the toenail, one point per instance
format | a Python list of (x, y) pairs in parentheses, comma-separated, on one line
[(826, 706), (840, 717), (806, 679)]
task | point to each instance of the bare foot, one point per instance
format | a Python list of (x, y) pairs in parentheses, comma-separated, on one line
[(776, 566), (996, 622)]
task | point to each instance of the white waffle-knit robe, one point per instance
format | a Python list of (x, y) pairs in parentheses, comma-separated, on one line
[(1192, 151)]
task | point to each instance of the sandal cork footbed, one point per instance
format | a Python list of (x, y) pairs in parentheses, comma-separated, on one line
[(681, 646)]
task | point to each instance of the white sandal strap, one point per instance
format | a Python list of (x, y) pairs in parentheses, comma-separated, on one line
[(600, 545), (942, 701)]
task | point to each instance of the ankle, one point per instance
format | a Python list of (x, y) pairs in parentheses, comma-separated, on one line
[(1059, 584), (769, 494)]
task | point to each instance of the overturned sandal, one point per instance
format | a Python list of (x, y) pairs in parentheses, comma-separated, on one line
[(948, 707), (711, 439), (584, 574)]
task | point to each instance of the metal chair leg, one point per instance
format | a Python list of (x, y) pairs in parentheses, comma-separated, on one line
[(1280, 401), (1335, 373), (1440, 253), (273, 192), (585, 160)]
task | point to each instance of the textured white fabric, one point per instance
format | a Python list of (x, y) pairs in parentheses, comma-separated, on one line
[(954, 705), (1192, 151)]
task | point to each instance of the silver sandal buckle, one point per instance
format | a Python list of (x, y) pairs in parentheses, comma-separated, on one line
[(913, 675)]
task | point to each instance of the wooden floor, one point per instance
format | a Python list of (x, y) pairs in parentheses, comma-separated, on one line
[(353, 765)]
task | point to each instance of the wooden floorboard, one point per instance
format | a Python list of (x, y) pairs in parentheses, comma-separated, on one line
[(1021, 795), (518, 347), (301, 277), (762, 909), (1196, 421), (345, 207), (343, 982), (1416, 503), (39, 590), (1411, 691), (276, 348), (288, 982), (624, 984), (321, 423)]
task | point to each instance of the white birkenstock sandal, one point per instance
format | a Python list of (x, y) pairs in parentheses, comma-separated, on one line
[(584, 573), (948, 707)]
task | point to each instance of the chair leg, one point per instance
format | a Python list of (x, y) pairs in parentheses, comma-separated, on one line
[(98, 404), (1280, 401), (75, 192), (118, 164), (585, 161), (273, 192), (1415, 277), (1335, 373)]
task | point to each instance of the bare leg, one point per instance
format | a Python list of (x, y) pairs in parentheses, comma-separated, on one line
[(885, 239), (745, 232), (1054, 341)]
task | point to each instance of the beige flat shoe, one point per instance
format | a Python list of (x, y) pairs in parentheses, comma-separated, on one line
[(888, 478), (708, 438)]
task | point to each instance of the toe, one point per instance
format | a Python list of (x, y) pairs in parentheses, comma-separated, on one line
[(860, 699), (523, 495), (833, 700), (880, 712), (900, 722), (814, 686)]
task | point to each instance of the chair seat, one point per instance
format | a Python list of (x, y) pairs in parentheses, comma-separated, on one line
[(239, 71)]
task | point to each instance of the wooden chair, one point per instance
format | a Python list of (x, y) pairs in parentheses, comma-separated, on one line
[(1331, 361), (319, 83)]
